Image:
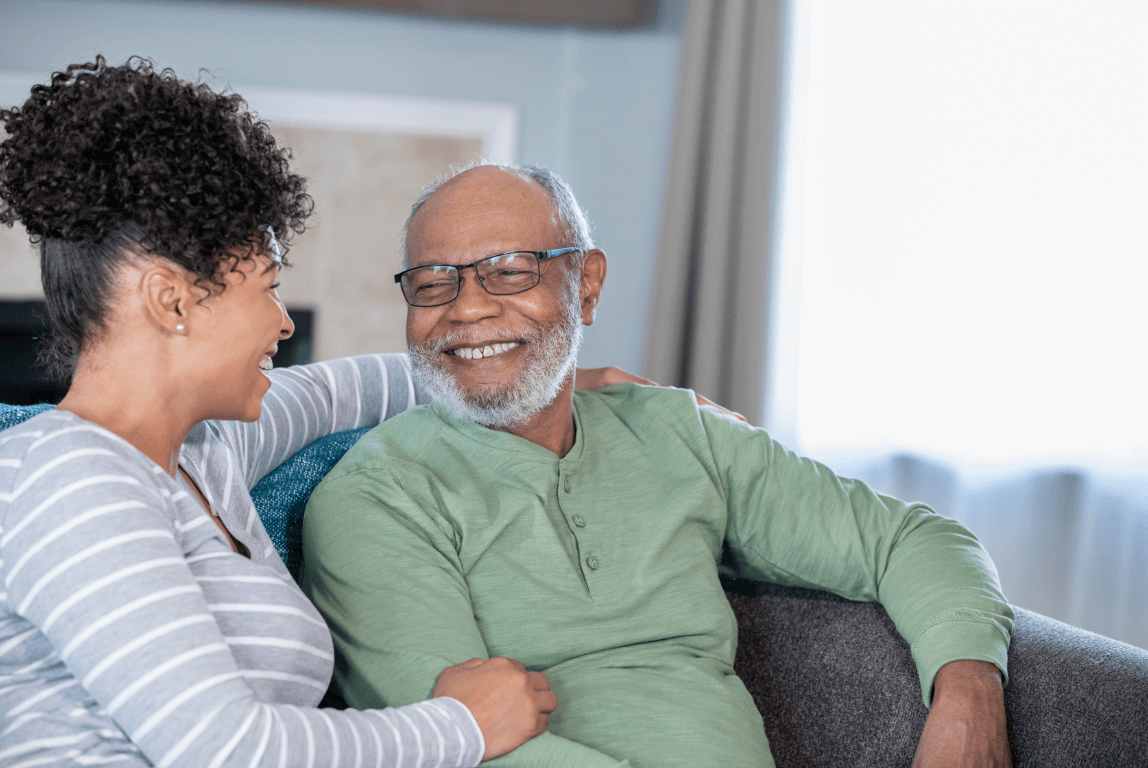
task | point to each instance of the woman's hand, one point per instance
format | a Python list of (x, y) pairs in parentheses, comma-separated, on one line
[(592, 378), (510, 705)]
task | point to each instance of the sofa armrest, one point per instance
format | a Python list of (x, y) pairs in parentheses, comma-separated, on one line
[(836, 685), (1075, 697)]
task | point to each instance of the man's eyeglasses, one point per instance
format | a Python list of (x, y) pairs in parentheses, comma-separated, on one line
[(432, 285)]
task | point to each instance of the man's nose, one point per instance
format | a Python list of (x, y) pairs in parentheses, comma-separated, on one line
[(473, 301)]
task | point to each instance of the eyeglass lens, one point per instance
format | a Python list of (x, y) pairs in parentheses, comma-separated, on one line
[(501, 274)]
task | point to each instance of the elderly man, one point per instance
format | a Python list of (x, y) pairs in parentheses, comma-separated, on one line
[(581, 532)]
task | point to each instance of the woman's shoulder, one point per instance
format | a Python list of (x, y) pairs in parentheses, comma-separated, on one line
[(54, 431), (57, 446)]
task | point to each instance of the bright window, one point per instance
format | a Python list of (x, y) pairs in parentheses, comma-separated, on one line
[(972, 231)]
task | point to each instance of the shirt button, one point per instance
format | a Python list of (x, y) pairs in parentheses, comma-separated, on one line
[(579, 521), (592, 562), (566, 484)]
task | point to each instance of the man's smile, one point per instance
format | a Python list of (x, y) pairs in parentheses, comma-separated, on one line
[(483, 350)]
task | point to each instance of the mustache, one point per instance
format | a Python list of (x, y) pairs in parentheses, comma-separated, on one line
[(438, 344)]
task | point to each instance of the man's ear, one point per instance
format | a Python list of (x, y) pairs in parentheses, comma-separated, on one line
[(593, 275), (167, 296)]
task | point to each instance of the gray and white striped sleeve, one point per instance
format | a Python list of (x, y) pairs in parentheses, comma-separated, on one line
[(95, 557), (307, 402)]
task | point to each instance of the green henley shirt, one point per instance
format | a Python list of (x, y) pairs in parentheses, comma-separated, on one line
[(436, 540)]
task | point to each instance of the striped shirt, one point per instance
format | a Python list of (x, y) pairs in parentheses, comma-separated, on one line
[(131, 634)]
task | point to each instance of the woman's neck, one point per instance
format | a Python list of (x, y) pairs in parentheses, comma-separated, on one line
[(135, 403)]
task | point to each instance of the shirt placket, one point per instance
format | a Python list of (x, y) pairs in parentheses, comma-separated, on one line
[(580, 521)]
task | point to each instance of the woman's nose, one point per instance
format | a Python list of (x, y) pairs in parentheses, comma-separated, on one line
[(288, 328)]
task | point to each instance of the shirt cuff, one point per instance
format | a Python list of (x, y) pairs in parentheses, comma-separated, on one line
[(473, 745), (956, 639)]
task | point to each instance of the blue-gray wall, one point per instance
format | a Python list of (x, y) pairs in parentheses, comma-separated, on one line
[(596, 106)]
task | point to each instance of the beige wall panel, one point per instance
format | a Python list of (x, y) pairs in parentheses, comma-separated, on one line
[(353, 330), (19, 265), (363, 184), (19, 262)]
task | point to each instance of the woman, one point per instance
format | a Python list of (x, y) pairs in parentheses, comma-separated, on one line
[(145, 617)]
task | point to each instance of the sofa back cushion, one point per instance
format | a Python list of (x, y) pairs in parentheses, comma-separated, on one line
[(282, 495), (11, 415)]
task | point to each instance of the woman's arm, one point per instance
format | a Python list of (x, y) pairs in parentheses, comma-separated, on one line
[(96, 558), (307, 402)]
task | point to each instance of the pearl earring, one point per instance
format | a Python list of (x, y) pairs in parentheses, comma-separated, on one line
[(179, 328)]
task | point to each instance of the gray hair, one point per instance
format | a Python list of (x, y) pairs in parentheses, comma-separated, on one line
[(567, 212)]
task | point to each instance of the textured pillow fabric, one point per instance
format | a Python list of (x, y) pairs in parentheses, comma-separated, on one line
[(11, 415), (282, 495)]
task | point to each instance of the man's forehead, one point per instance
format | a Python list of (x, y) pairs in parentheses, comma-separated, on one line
[(482, 211)]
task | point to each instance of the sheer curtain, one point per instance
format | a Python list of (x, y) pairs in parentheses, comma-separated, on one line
[(1066, 544), (970, 321)]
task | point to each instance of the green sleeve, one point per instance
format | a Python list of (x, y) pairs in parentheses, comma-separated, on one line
[(793, 522), (387, 578)]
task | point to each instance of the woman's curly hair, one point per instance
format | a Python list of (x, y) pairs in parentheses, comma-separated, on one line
[(105, 160)]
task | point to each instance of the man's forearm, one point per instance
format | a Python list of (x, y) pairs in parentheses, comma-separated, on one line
[(794, 522), (399, 608), (966, 725)]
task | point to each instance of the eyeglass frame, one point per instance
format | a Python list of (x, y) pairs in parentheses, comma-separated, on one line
[(539, 255)]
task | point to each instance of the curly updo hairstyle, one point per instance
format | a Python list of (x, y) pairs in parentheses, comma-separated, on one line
[(105, 162)]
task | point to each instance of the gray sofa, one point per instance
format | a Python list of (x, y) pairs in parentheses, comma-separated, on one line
[(835, 683)]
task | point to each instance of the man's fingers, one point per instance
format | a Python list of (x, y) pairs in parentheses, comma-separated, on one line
[(471, 663), (547, 701), (592, 378), (538, 681), (503, 661), (705, 401)]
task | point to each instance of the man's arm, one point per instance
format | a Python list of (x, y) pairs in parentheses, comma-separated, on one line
[(794, 522), (966, 724), (388, 579)]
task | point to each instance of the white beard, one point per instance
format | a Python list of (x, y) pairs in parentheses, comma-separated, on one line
[(550, 359)]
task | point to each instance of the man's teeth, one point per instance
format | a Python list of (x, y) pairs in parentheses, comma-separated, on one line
[(266, 365), (490, 350)]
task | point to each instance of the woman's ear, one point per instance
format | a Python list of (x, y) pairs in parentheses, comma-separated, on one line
[(167, 295), (593, 276)]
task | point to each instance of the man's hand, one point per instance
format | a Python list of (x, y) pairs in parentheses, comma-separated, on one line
[(966, 725), (510, 705), (592, 378)]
